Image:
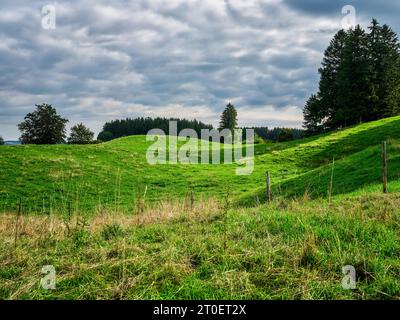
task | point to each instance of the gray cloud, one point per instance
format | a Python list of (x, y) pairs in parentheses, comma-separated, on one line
[(182, 58)]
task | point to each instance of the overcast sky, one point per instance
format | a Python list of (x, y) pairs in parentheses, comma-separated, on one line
[(178, 58)]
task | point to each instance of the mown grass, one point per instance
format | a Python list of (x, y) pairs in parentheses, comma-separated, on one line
[(290, 250)]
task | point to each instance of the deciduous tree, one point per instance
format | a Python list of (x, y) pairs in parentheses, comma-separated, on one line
[(43, 126)]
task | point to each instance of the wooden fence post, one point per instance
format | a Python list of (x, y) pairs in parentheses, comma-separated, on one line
[(17, 222), (191, 200), (268, 192), (186, 205), (384, 167)]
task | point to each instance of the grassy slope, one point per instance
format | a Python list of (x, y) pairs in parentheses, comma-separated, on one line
[(293, 249), (114, 174)]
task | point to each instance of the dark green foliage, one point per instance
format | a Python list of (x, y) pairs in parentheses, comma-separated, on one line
[(285, 135), (321, 109), (141, 126), (43, 126), (105, 136), (1, 141), (80, 134), (228, 118), (273, 134), (385, 74), (353, 81), (360, 80), (312, 115)]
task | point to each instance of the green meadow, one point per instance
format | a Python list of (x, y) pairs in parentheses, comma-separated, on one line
[(116, 227)]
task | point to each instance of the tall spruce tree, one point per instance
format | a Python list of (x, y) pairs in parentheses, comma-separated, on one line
[(228, 118), (393, 98), (385, 75), (360, 80), (353, 80), (312, 115), (328, 85)]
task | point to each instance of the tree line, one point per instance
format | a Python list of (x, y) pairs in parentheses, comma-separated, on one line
[(359, 80), (45, 126), (278, 134), (141, 126)]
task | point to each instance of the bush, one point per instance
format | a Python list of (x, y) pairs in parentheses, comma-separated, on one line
[(1, 141)]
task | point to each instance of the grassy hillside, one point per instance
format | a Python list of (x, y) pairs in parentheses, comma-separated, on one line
[(293, 249), (115, 175)]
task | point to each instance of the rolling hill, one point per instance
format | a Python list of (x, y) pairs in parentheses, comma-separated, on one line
[(227, 246), (115, 175)]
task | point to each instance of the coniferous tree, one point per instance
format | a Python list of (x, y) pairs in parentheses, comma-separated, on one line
[(360, 80), (285, 135), (141, 126), (353, 80), (313, 115), (393, 98), (323, 117), (385, 74), (228, 118), (272, 134)]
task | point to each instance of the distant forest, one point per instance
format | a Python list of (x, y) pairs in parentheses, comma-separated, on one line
[(141, 126), (278, 134)]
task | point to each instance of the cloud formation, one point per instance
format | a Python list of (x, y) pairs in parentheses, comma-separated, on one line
[(181, 58)]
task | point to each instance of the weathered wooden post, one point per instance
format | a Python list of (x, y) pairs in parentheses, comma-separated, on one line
[(186, 204), (17, 222), (191, 200), (384, 167), (268, 192)]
